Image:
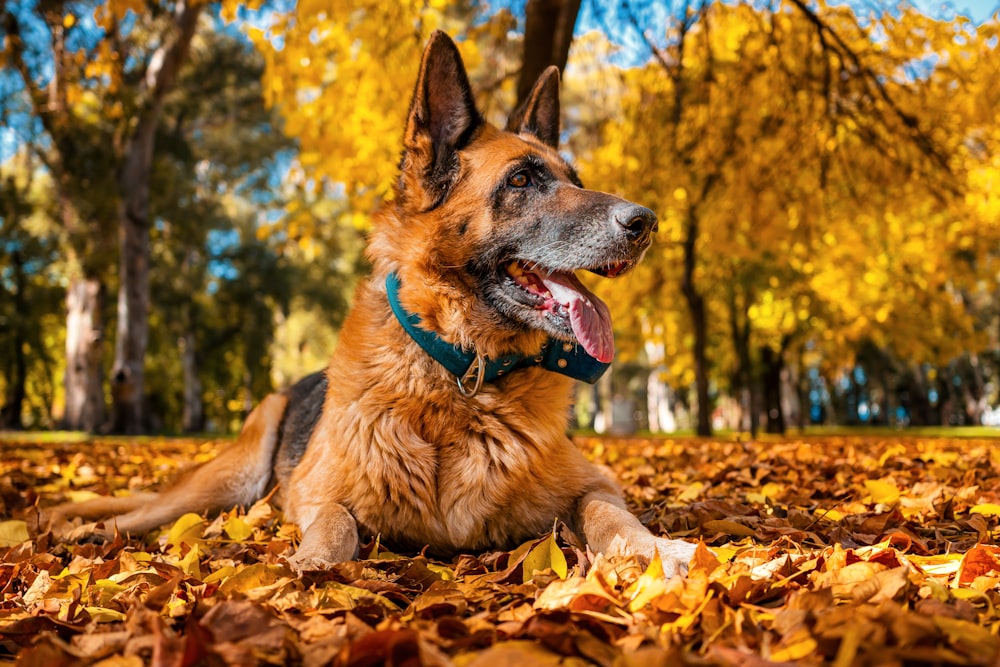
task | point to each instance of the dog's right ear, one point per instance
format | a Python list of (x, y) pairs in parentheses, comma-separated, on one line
[(443, 118)]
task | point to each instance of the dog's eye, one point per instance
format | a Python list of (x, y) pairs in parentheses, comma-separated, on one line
[(520, 179)]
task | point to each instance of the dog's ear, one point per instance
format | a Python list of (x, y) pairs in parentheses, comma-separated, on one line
[(539, 115), (443, 117)]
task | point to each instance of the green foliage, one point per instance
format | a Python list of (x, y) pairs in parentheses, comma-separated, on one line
[(30, 294)]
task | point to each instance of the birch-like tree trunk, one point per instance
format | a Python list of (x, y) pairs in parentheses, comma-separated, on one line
[(134, 221), (84, 381)]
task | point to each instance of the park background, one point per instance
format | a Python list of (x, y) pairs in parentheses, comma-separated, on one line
[(185, 190)]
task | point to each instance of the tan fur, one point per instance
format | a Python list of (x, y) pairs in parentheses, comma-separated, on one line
[(398, 451)]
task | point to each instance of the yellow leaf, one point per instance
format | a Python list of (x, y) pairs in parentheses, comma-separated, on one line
[(443, 571), (725, 553), (830, 515), (120, 661), (106, 589), (190, 563), (104, 615), (546, 554), (237, 529), (988, 509), (13, 532), (772, 490), (648, 586), (801, 646), (938, 565), (257, 575), (186, 530), (882, 491), (690, 492), (220, 574)]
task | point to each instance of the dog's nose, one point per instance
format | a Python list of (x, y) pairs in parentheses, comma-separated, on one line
[(637, 220)]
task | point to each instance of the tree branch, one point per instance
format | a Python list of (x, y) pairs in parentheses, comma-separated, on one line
[(919, 138)]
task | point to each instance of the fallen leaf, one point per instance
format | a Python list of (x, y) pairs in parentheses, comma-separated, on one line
[(187, 530), (728, 527), (13, 532), (237, 529), (546, 554), (988, 509), (882, 491)]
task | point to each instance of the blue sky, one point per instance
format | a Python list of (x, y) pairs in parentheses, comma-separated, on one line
[(977, 10)]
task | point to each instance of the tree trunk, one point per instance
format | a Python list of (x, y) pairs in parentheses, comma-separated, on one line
[(773, 362), (84, 381), (699, 323), (740, 333), (10, 413), (127, 377), (548, 32), (194, 407)]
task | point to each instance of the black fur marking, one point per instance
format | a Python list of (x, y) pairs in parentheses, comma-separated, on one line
[(305, 405), (574, 177)]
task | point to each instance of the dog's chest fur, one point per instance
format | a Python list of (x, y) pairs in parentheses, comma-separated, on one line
[(417, 463)]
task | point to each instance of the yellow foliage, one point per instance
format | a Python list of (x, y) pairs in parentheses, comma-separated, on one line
[(831, 227), (341, 74)]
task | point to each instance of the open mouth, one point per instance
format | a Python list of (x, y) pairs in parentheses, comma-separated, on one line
[(566, 304)]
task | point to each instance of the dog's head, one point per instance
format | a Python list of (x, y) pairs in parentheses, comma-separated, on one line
[(490, 226)]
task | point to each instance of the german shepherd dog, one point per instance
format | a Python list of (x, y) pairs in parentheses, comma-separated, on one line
[(441, 420)]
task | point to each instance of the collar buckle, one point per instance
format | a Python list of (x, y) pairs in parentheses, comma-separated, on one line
[(475, 374)]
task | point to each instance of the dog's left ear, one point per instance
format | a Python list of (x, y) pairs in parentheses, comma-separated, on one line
[(539, 115), (443, 117)]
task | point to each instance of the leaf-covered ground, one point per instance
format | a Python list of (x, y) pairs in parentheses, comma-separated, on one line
[(840, 550)]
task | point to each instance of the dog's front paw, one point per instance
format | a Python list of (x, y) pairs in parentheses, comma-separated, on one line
[(305, 563), (307, 557), (675, 555)]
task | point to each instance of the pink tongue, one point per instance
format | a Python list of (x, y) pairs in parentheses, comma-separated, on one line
[(588, 315)]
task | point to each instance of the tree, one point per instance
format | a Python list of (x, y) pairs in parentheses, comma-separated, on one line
[(79, 157), (100, 109), (766, 134), (158, 76)]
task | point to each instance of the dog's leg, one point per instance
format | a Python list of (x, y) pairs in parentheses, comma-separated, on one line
[(612, 530), (237, 476), (331, 536)]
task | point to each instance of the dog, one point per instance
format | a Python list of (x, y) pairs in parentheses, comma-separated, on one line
[(441, 420)]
